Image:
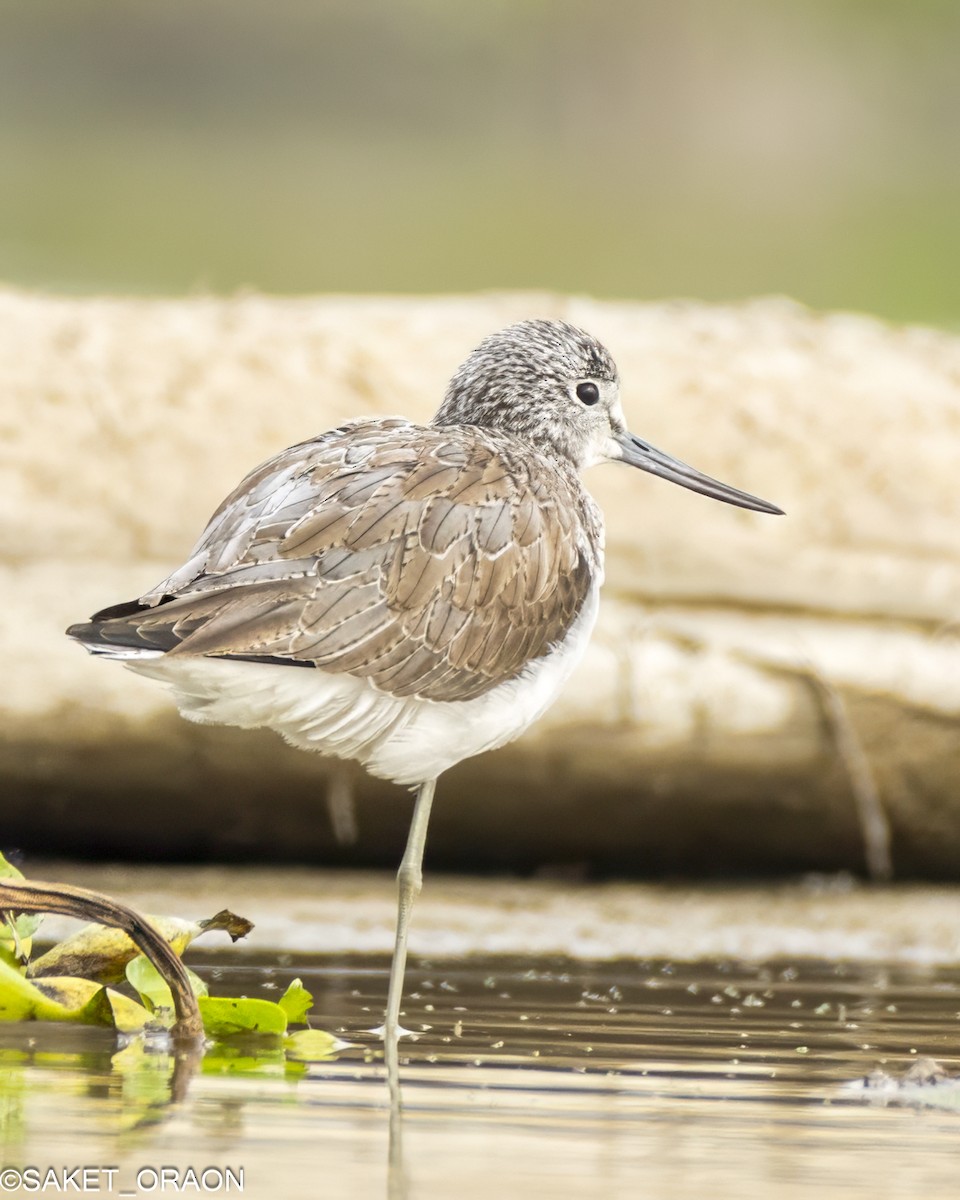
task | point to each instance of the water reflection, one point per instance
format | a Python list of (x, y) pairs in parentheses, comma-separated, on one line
[(555, 1079)]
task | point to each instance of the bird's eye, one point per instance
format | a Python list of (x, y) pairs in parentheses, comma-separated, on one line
[(589, 393)]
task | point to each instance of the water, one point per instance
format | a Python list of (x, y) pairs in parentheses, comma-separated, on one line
[(527, 1079)]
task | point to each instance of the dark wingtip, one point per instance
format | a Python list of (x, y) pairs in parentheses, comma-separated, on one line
[(110, 628), (128, 608), (90, 631)]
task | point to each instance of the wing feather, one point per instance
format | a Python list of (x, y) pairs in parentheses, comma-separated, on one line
[(432, 565)]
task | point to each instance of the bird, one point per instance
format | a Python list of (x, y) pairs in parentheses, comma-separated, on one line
[(406, 595)]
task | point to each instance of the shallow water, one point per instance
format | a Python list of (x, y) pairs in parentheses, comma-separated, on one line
[(548, 1078)]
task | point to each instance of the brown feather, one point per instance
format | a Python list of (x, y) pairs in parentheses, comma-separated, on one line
[(433, 563)]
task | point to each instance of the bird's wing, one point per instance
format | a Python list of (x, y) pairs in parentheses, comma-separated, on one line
[(432, 564)]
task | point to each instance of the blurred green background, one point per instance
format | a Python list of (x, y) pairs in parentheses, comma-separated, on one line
[(711, 148)]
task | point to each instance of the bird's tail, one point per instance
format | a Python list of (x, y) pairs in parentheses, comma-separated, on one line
[(111, 633)]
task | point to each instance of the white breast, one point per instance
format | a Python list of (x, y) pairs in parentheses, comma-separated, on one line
[(402, 739)]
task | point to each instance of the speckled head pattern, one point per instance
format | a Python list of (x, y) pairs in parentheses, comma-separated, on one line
[(524, 380)]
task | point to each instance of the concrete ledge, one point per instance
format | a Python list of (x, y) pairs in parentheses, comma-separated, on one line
[(696, 734)]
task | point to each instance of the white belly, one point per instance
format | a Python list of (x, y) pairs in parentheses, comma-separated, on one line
[(402, 739)]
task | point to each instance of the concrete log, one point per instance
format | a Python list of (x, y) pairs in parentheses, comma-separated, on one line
[(738, 663)]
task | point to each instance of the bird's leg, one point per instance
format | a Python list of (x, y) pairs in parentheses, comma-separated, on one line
[(409, 879)]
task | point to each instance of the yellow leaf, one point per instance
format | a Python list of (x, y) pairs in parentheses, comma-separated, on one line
[(102, 953)]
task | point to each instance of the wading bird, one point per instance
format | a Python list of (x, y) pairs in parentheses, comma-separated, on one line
[(405, 595)]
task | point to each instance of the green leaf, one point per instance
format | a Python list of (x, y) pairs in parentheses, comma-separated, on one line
[(20, 1000), (8, 952), (310, 1045), (296, 1002), (77, 997), (68, 998), (61, 999), (8, 870), (23, 1001), (15, 935), (148, 981), (223, 1017)]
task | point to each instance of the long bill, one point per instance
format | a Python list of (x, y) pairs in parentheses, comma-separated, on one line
[(648, 458)]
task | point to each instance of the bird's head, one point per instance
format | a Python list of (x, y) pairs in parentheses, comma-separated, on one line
[(558, 387)]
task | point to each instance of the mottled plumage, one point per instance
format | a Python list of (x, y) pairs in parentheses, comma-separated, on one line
[(433, 566), (439, 582)]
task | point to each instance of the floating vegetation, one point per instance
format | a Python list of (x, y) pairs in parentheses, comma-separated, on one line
[(129, 976)]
